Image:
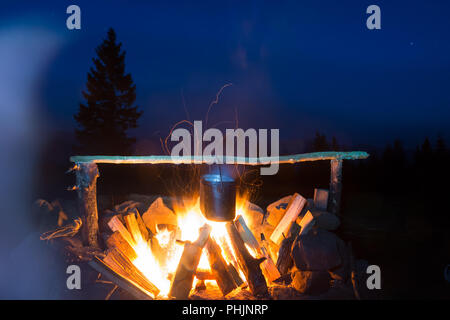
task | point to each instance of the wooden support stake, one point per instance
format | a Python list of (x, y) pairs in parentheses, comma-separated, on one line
[(219, 268), (248, 264), (334, 200), (184, 276), (293, 210), (86, 179)]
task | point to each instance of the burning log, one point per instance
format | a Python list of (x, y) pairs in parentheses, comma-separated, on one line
[(86, 178), (204, 275), (116, 240), (219, 268), (121, 264), (249, 265), (268, 266), (184, 276), (293, 210)]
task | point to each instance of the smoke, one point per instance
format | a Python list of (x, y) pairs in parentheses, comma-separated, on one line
[(25, 52)]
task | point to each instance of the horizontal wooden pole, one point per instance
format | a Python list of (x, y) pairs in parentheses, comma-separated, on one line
[(314, 156)]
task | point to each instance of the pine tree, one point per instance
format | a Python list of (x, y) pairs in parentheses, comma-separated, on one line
[(109, 113), (320, 142)]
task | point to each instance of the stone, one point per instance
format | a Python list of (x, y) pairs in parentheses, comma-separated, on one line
[(282, 292), (310, 282), (325, 219), (342, 272), (316, 251), (158, 213)]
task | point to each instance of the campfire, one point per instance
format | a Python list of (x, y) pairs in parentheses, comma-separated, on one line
[(217, 241), (169, 253)]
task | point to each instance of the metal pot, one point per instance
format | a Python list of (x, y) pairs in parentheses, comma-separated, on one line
[(218, 197)]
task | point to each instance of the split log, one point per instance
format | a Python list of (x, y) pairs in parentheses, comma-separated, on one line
[(184, 276), (321, 199), (334, 201), (86, 180), (246, 234), (133, 228), (116, 225), (248, 264), (268, 267), (235, 274), (116, 240), (123, 282), (142, 227), (293, 210), (123, 265), (284, 261), (306, 223), (219, 268)]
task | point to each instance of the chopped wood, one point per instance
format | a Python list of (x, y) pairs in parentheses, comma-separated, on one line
[(116, 225), (123, 265), (293, 210), (306, 223), (116, 240), (219, 268), (122, 281), (133, 228), (268, 267), (184, 275), (321, 199), (276, 210), (142, 227), (246, 234), (248, 264)]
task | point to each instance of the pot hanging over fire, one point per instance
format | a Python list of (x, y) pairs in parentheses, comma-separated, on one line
[(218, 197)]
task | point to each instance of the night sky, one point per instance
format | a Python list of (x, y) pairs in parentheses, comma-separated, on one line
[(300, 66)]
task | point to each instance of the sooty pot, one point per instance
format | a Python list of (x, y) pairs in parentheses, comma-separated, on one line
[(218, 197)]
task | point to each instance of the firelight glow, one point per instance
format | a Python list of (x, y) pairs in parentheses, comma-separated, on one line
[(190, 219)]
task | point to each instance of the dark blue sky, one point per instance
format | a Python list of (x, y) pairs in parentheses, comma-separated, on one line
[(299, 66)]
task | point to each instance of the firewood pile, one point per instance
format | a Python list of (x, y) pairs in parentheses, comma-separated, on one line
[(288, 251)]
